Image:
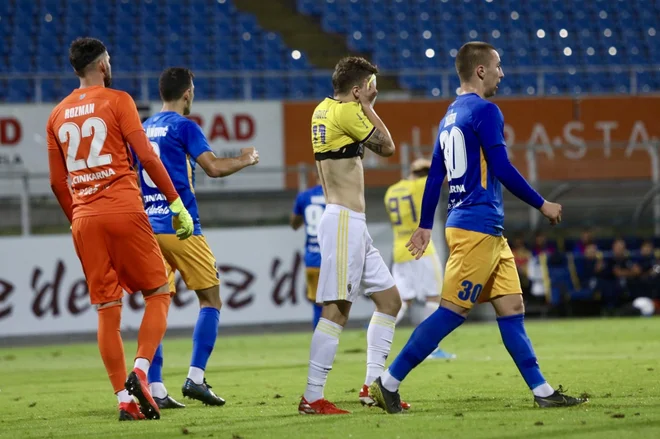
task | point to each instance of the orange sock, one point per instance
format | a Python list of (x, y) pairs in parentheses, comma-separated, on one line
[(154, 325), (111, 345)]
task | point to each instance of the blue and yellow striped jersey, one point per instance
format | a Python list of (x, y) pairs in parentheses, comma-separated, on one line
[(178, 142)]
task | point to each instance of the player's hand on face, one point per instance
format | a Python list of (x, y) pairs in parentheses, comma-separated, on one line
[(368, 92), (552, 211), (418, 242), (252, 154)]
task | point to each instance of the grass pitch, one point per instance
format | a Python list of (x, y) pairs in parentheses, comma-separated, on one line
[(62, 391)]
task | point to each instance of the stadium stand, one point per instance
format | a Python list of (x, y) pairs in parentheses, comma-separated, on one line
[(144, 36), (413, 35), (426, 34), (577, 281)]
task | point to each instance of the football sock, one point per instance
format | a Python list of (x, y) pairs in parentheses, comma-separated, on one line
[(204, 335), (142, 364), (389, 382), (158, 390), (321, 356), (152, 328), (123, 396), (544, 390), (196, 375), (517, 342), (402, 312), (156, 369), (424, 339), (379, 342), (111, 346), (317, 314)]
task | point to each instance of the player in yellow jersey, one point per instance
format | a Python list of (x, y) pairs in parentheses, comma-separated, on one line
[(342, 127), (416, 279)]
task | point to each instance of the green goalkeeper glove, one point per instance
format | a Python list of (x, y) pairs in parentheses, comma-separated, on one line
[(181, 220)]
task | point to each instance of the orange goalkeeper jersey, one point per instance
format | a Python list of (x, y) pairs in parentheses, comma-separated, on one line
[(89, 130)]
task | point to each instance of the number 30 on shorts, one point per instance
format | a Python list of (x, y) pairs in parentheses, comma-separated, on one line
[(470, 292)]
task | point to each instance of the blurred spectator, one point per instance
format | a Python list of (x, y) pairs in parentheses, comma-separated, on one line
[(586, 239), (538, 277), (589, 267), (614, 276), (645, 279), (541, 244), (521, 255)]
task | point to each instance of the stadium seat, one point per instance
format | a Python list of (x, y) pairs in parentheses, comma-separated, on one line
[(215, 36)]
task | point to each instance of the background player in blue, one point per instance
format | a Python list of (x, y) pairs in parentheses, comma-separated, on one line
[(181, 144), (307, 210), (471, 153)]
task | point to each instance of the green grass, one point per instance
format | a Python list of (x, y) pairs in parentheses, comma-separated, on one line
[(63, 392)]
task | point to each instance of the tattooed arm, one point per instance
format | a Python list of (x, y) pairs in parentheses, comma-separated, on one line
[(380, 143), (380, 140)]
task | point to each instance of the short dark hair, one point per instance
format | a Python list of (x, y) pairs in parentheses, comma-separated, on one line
[(351, 71), (469, 56), (83, 51), (174, 82)]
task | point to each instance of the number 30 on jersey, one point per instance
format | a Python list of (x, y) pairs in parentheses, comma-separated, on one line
[(453, 147)]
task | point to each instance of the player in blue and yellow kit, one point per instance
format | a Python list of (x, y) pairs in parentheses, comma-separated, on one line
[(181, 145), (307, 211), (470, 152)]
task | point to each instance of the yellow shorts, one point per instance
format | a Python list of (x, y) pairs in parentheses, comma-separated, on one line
[(480, 268), (312, 274), (193, 258)]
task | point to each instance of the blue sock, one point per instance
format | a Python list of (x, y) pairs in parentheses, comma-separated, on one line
[(520, 348), (204, 335), (317, 315), (424, 339), (155, 374)]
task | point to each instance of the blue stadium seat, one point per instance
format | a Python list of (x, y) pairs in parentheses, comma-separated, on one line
[(211, 36), (129, 85)]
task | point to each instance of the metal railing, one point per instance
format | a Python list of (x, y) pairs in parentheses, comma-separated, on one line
[(630, 198), (247, 79)]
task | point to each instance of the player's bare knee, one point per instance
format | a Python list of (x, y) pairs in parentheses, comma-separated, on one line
[(388, 301), (455, 308), (109, 304), (336, 311), (509, 305), (210, 297), (163, 289)]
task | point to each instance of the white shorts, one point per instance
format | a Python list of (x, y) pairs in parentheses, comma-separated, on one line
[(418, 279), (350, 264)]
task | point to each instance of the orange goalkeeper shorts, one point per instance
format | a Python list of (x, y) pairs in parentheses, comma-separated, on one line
[(118, 252)]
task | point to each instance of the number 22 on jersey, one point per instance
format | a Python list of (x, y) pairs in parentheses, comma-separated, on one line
[(93, 127)]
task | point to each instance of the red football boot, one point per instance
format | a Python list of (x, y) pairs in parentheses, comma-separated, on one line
[(129, 411), (319, 407), (137, 385)]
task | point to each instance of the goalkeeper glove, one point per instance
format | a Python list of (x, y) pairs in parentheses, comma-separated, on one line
[(181, 220)]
